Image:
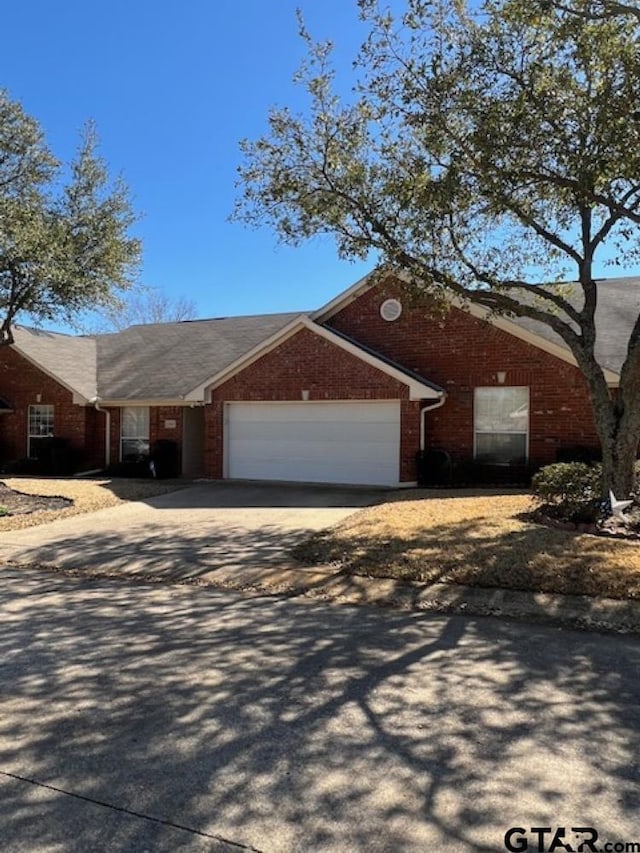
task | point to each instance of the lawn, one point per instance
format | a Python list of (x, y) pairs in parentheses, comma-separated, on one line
[(475, 538), (87, 495)]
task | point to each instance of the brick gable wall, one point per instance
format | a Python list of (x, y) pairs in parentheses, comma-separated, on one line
[(20, 383), (306, 361), (460, 353)]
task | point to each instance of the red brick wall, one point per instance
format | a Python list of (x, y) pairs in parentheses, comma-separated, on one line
[(20, 383), (460, 353), (307, 361)]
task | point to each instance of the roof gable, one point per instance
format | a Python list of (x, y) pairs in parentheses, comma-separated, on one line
[(168, 360), (69, 359), (419, 388), (618, 309)]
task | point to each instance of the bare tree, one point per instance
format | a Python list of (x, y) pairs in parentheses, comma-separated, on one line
[(145, 305)]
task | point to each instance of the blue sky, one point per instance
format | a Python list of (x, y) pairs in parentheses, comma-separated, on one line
[(173, 87)]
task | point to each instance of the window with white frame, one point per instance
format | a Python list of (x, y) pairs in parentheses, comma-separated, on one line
[(40, 429), (134, 433), (501, 425)]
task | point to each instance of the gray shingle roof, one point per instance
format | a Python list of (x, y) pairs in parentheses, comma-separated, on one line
[(167, 360), (618, 309), (69, 358)]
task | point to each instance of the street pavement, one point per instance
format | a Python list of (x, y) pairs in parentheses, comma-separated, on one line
[(141, 717)]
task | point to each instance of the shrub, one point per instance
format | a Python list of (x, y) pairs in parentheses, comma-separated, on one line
[(571, 491)]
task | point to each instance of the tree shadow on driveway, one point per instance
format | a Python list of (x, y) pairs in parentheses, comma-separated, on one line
[(305, 727), (187, 534)]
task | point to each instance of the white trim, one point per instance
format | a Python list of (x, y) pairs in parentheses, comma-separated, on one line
[(506, 325), (417, 390), (150, 403), (201, 390), (124, 438), (78, 398), (344, 298), (478, 311), (527, 433), (31, 435)]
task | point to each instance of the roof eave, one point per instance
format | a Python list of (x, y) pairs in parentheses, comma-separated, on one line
[(417, 390), (352, 293), (78, 397)]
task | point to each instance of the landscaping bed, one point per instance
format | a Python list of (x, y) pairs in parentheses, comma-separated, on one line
[(13, 503), (33, 501), (478, 538)]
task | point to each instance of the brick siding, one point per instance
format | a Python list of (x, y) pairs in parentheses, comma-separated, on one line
[(20, 384), (460, 353), (305, 362)]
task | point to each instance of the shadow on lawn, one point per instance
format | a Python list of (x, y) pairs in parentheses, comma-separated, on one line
[(306, 727), (479, 552)]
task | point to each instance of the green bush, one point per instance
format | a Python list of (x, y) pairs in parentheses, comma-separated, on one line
[(571, 491)]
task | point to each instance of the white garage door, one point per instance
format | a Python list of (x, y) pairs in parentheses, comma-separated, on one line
[(314, 442)]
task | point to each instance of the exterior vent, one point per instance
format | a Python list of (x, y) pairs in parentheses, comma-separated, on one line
[(390, 310)]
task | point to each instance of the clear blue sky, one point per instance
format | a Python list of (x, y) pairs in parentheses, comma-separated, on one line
[(173, 87)]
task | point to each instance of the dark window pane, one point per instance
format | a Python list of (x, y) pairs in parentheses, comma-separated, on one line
[(501, 449), (134, 448)]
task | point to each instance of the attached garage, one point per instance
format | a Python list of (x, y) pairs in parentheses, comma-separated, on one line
[(317, 442)]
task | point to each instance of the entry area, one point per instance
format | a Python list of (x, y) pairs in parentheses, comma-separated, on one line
[(193, 442), (354, 443)]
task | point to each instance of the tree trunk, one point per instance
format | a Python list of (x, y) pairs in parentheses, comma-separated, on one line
[(619, 453)]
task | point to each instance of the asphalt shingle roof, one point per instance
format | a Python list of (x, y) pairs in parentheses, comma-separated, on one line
[(618, 309), (70, 358), (167, 360)]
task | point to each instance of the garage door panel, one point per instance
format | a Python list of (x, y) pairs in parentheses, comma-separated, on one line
[(314, 442), (313, 412), (324, 432)]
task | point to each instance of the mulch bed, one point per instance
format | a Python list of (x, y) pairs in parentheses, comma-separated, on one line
[(17, 503)]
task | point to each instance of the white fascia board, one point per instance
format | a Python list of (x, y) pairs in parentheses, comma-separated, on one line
[(417, 390), (344, 298), (78, 398), (105, 402), (200, 391), (478, 311), (507, 325)]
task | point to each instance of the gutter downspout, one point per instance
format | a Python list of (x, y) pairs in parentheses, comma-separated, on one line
[(107, 430), (423, 412)]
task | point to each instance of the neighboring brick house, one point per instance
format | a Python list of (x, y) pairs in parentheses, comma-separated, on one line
[(347, 394)]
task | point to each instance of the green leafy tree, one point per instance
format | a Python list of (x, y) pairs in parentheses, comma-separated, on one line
[(63, 248), (483, 151)]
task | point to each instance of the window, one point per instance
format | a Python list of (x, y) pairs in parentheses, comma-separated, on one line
[(501, 425), (40, 429), (134, 433)]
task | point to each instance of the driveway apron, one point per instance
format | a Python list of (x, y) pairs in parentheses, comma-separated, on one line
[(190, 533)]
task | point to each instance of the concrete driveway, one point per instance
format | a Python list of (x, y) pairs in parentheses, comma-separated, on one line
[(191, 533), (162, 718)]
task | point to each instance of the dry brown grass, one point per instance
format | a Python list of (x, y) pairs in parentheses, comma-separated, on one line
[(87, 495), (480, 539)]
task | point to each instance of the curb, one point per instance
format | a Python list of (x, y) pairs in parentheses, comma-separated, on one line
[(324, 583)]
